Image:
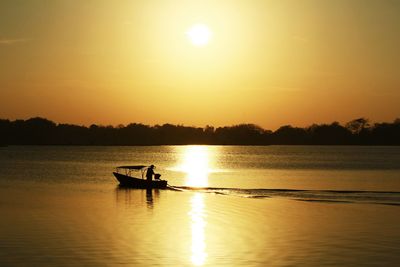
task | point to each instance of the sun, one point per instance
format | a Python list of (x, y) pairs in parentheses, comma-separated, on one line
[(199, 34)]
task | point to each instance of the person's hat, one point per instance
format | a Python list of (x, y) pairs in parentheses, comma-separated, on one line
[(152, 166)]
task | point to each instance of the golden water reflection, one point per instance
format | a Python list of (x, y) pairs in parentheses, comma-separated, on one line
[(196, 163), (198, 222)]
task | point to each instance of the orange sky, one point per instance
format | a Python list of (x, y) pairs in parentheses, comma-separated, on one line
[(268, 62)]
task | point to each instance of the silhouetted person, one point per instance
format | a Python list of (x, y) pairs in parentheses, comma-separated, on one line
[(150, 173)]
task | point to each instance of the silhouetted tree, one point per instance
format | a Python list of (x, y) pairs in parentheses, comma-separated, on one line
[(68, 134), (385, 133), (289, 135), (5, 128), (242, 134), (358, 125), (329, 134)]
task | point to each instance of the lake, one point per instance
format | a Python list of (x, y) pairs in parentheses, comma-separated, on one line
[(227, 205)]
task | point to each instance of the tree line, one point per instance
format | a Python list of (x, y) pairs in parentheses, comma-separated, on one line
[(41, 131)]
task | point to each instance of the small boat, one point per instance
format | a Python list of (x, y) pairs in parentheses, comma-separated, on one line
[(125, 178)]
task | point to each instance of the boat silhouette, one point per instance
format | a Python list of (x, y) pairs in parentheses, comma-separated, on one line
[(126, 178)]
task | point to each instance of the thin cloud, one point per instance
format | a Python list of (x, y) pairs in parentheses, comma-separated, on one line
[(9, 41)]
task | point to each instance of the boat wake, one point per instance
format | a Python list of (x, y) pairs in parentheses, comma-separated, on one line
[(334, 196)]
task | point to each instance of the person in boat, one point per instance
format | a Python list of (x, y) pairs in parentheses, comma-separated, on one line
[(150, 173)]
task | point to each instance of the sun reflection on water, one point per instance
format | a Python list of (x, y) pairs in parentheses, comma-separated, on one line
[(199, 254), (196, 164)]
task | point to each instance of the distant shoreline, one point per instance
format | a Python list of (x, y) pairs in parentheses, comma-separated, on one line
[(41, 131)]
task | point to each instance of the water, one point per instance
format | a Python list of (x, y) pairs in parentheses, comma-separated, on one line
[(233, 206)]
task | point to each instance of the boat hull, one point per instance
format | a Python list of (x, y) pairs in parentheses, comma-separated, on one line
[(133, 182)]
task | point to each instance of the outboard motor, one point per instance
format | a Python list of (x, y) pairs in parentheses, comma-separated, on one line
[(157, 176)]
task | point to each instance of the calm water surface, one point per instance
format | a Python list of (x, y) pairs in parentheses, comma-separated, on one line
[(233, 206)]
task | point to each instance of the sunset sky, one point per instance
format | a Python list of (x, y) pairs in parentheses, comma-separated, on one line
[(265, 62)]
